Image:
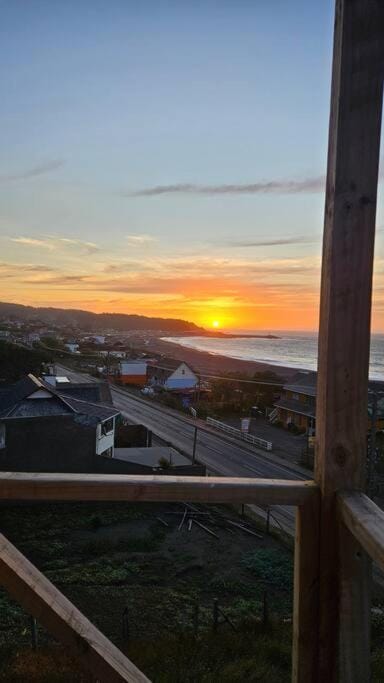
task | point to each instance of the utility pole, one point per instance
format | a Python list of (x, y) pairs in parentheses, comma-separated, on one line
[(194, 414)]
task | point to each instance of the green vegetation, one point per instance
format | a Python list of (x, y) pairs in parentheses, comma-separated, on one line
[(116, 558), (17, 361)]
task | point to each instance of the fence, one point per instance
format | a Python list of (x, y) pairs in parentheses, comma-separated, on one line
[(267, 445)]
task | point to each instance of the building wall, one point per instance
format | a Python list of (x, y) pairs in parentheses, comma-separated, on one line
[(133, 373), (182, 378), (137, 380), (48, 444)]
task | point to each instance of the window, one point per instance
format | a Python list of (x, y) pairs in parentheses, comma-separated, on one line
[(107, 426)]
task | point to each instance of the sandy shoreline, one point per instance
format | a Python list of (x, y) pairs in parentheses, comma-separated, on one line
[(212, 364)]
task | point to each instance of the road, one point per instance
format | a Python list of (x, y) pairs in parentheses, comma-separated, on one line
[(221, 453)]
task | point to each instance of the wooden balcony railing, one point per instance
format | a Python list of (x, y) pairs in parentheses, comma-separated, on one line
[(337, 527)]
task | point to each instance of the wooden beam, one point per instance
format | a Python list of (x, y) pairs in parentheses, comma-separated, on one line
[(29, 587), (112, 487), (346, 284), (306, 592), (365, 520), (355, 594)]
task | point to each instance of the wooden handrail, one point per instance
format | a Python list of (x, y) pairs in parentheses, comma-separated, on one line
[(153, 488), (365, 520), (61, 618)]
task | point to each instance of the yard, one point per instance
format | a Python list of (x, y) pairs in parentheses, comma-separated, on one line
[(191, 594)]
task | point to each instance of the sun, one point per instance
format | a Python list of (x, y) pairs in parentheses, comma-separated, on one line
[(215, 323)]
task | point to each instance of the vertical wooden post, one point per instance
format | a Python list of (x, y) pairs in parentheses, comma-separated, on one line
[(306, 593), (345, 311)]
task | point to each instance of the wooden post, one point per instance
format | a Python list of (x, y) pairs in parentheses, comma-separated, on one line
[(345, 311), (306, 593)]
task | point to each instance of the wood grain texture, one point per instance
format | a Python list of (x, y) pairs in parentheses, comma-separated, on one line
[(306, 592), (355, 614), (365, 520), (61, 618), (346, 287), (42, 486)]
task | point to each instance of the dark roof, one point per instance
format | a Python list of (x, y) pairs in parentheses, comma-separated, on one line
[(84, 392), (39, 408), (17, 403), (296, 407), (303, 383), (16, 392), (99, 410)]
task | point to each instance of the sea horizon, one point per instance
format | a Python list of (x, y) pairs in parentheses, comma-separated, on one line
[(288, 349)]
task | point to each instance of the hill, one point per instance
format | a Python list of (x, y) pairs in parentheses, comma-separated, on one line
[(89, 321)]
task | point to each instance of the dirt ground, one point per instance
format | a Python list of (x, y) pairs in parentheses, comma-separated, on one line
[(131, 568)]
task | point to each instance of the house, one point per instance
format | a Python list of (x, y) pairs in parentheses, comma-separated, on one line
[(172, 375), (133, 372), (297, 404), (72, 347), (95, 392), (98, 339), (43, 430)]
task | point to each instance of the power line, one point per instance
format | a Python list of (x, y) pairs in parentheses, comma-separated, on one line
[(227, 379)]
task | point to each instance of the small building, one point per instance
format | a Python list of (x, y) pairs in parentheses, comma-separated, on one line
[(72, 347), (98, 339), (173, 375), (297, 403), (133, 372), (44, 430)]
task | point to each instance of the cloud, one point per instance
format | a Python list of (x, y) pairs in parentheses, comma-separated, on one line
[(52, 243), (33, 242), (46, 167), (89, 247), (316, 184), (139, 240), (301, 239), (57, 280)]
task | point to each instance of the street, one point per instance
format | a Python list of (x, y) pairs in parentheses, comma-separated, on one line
[(221, 453)]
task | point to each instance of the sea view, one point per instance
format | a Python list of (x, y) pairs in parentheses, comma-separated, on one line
[(293, 350)]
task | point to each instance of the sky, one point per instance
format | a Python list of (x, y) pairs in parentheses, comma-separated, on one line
[(167, 158)]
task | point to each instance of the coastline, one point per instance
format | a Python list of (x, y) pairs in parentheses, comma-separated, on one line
[(214, 364)]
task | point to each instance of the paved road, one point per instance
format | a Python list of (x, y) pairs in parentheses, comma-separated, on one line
[(221, 453)]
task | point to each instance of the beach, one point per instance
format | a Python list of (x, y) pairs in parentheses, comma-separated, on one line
[(214, 364)]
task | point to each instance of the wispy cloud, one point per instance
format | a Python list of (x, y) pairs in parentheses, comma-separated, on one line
[(140, 240), (42, 168), (33, 242), (300, 239), (89, 247), (53, 242), (315, 184)]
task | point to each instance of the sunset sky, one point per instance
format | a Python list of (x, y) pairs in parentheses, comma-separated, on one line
[(167, 158)]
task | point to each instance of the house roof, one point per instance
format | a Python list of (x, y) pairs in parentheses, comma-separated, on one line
[(19, 403), (303, 383), (296, 407), (168, 366)]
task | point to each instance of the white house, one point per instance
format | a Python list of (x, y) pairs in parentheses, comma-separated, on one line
[(72, 347), (173, 375)]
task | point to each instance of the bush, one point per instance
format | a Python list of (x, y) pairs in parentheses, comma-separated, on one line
[(270, 566)]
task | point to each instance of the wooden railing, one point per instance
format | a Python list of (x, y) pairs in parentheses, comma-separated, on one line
[(358, 515), (337, 527), (38, 596)]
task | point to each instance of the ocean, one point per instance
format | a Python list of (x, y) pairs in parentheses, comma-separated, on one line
[(293, 350)]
